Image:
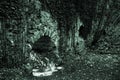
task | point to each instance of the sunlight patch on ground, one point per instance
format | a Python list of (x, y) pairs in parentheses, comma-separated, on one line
[(51, 68)]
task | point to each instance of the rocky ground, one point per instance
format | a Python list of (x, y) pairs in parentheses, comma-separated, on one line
[(91, 66)]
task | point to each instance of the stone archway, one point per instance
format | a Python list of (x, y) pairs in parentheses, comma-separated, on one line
[(47, 27), (43, 37)]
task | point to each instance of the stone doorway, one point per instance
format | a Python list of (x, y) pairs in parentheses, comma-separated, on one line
[(45, 47)]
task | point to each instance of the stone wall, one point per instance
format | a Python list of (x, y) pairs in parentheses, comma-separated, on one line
[(47, 27)]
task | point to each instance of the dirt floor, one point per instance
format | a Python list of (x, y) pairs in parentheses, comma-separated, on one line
[(91, 66)]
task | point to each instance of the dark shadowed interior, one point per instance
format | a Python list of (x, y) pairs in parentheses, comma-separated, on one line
[(43, 45)]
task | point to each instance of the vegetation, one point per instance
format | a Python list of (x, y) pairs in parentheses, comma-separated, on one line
[(81, 35)]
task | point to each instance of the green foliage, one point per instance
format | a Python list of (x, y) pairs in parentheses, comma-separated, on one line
[(16, 19)]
